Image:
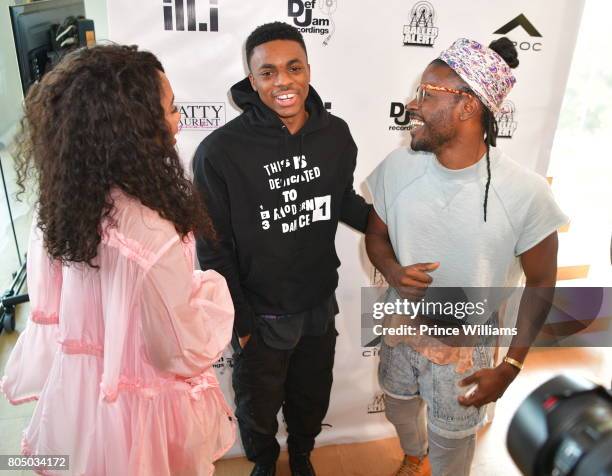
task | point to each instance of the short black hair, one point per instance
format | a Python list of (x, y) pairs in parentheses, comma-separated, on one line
[(277, 30)]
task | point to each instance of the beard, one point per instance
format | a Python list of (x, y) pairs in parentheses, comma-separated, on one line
[(424, 142), (434, 134)]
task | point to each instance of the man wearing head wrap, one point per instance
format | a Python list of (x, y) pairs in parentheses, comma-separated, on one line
[(453, 211)]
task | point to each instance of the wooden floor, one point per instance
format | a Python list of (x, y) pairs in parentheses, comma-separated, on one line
[(380, 457)]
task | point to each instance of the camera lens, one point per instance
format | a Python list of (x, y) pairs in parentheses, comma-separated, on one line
[(563, 428)]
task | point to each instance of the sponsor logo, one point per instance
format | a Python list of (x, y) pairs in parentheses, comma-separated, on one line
[(521, 21), (304, 16), (399, 113), (180, 15), (421, 31), (526, 27), (506, 125), (223, 364), (201, 116), (370, 342), (371, 348), (378, 404)]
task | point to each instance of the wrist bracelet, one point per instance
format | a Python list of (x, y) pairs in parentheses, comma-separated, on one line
[(513, 362)]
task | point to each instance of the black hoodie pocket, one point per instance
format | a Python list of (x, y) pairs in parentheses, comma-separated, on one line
[(293, 281)]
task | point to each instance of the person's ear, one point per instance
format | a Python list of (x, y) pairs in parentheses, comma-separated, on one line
[(469, 108), (252, 81)]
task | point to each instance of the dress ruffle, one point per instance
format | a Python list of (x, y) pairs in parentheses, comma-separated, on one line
[(28, 365), (160, 426)]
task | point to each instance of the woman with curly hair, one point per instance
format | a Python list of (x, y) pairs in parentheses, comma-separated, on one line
[(123, 333)]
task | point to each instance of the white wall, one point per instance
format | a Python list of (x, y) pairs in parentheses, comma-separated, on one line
[(96, 10)]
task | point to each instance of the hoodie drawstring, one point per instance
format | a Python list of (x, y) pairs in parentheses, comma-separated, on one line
[(284, 151), (300, 156), (284, 155)]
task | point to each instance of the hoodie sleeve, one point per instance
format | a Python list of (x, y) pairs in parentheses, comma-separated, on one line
[(220, 256), (355, 210)]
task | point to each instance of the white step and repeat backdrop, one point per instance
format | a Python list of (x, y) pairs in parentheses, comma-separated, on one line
[(366, 59)]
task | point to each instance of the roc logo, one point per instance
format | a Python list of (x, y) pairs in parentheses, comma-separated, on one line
[(400, 116), (378, 404), (421, 30), (201, 116), (174, 16), (506, 125), (302, 13), (527, 27)]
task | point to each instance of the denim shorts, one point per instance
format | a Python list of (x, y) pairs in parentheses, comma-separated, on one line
[(405, 373)]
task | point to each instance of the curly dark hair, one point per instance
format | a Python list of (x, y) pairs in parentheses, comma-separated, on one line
[(95, 122)]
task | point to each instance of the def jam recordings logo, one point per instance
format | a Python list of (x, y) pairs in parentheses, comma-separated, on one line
[(421, 30), (201, 116), (223, 364), (506, 125), (400, 116), (174, 16), (378, 404), (302, 13), (531, 44)]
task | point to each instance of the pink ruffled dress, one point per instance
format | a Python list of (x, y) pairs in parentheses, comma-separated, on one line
[(120, 357)]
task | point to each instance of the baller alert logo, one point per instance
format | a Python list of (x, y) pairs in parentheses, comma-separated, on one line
[(421, 30), (506, 125)]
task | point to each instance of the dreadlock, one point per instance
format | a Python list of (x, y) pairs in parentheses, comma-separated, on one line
[(506, 49), (489, 124)]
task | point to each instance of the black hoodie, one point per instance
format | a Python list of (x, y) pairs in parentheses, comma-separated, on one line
[(275, 200)]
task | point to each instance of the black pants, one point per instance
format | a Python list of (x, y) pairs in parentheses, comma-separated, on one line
[(298, 380)]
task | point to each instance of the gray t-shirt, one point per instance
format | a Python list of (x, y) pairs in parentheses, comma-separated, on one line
[(436, 214)]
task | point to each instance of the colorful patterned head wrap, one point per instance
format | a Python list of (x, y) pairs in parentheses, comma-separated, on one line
[(487, 74)]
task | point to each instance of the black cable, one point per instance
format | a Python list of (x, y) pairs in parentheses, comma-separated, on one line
[(8, 205)]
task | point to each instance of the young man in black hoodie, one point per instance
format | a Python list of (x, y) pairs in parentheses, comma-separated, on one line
[(276, 180)]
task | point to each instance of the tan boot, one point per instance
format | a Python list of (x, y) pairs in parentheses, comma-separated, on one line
[(414, 466)]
